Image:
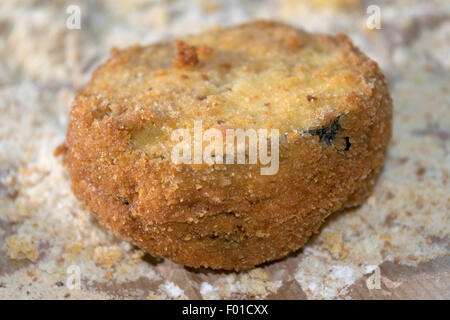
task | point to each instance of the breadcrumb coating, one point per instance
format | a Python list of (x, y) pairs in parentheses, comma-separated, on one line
[(328, 100)]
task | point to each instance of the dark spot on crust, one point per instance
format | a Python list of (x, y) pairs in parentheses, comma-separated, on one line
[(201, 97), (220, 122), (186, 55), (59, 284), (292, 41), (124, 201), (327, 134), (311, 98), (347, 143), (226, 66)]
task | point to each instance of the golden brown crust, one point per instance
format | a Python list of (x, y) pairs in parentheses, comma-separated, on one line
[(186, 55), (332, 145)]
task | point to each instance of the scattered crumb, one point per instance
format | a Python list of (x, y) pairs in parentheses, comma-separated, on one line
[(20, 248)]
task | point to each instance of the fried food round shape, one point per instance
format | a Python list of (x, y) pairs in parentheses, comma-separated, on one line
[(329, 101)]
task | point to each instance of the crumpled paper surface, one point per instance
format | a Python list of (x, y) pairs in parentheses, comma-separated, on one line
[(394, 246)]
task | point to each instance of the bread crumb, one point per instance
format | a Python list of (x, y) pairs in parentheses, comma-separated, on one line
[(20, 248), (107, 256)]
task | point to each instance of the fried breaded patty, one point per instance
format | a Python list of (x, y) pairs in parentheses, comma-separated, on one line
[(329, 102)]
